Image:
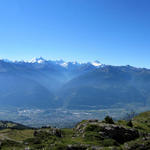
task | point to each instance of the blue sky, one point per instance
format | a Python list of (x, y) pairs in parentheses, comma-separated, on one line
[(115, 32)]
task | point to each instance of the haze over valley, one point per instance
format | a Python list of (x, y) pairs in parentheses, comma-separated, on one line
[(50, 92)]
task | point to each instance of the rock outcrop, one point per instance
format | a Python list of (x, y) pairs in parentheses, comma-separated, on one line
[(48, 132), (118, 133)]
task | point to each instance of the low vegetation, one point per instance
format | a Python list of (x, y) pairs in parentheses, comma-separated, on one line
[(130, 134)]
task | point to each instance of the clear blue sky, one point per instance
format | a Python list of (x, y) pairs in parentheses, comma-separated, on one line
[(114, 32)]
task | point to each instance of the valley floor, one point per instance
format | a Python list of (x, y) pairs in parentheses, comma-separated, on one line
[(65, 118)]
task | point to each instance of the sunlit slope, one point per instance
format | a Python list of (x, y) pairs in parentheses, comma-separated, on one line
[(142, 121)]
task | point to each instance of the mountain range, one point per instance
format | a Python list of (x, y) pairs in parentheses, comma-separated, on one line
[(53, 84)]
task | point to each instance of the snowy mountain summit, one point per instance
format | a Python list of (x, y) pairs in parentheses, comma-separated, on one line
[(61, 63), (37, 60)]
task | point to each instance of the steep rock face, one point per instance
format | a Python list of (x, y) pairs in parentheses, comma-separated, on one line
[(118, 133)]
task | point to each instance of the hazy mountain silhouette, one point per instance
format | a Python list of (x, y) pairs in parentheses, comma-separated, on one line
[(42, 83)]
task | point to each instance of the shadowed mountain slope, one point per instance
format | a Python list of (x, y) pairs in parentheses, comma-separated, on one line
[(43, 83)]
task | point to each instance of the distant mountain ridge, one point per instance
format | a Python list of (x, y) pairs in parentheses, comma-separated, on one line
[(46, 83), (41, 60)]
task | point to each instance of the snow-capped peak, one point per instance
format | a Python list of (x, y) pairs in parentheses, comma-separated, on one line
[(64, 64), (96, 63), (37, 60)]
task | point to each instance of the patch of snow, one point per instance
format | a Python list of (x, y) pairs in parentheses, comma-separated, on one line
[(37, 60), (65, 64), (96, 63)]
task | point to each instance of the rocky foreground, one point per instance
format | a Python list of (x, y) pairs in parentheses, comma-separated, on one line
[(86, 135)]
